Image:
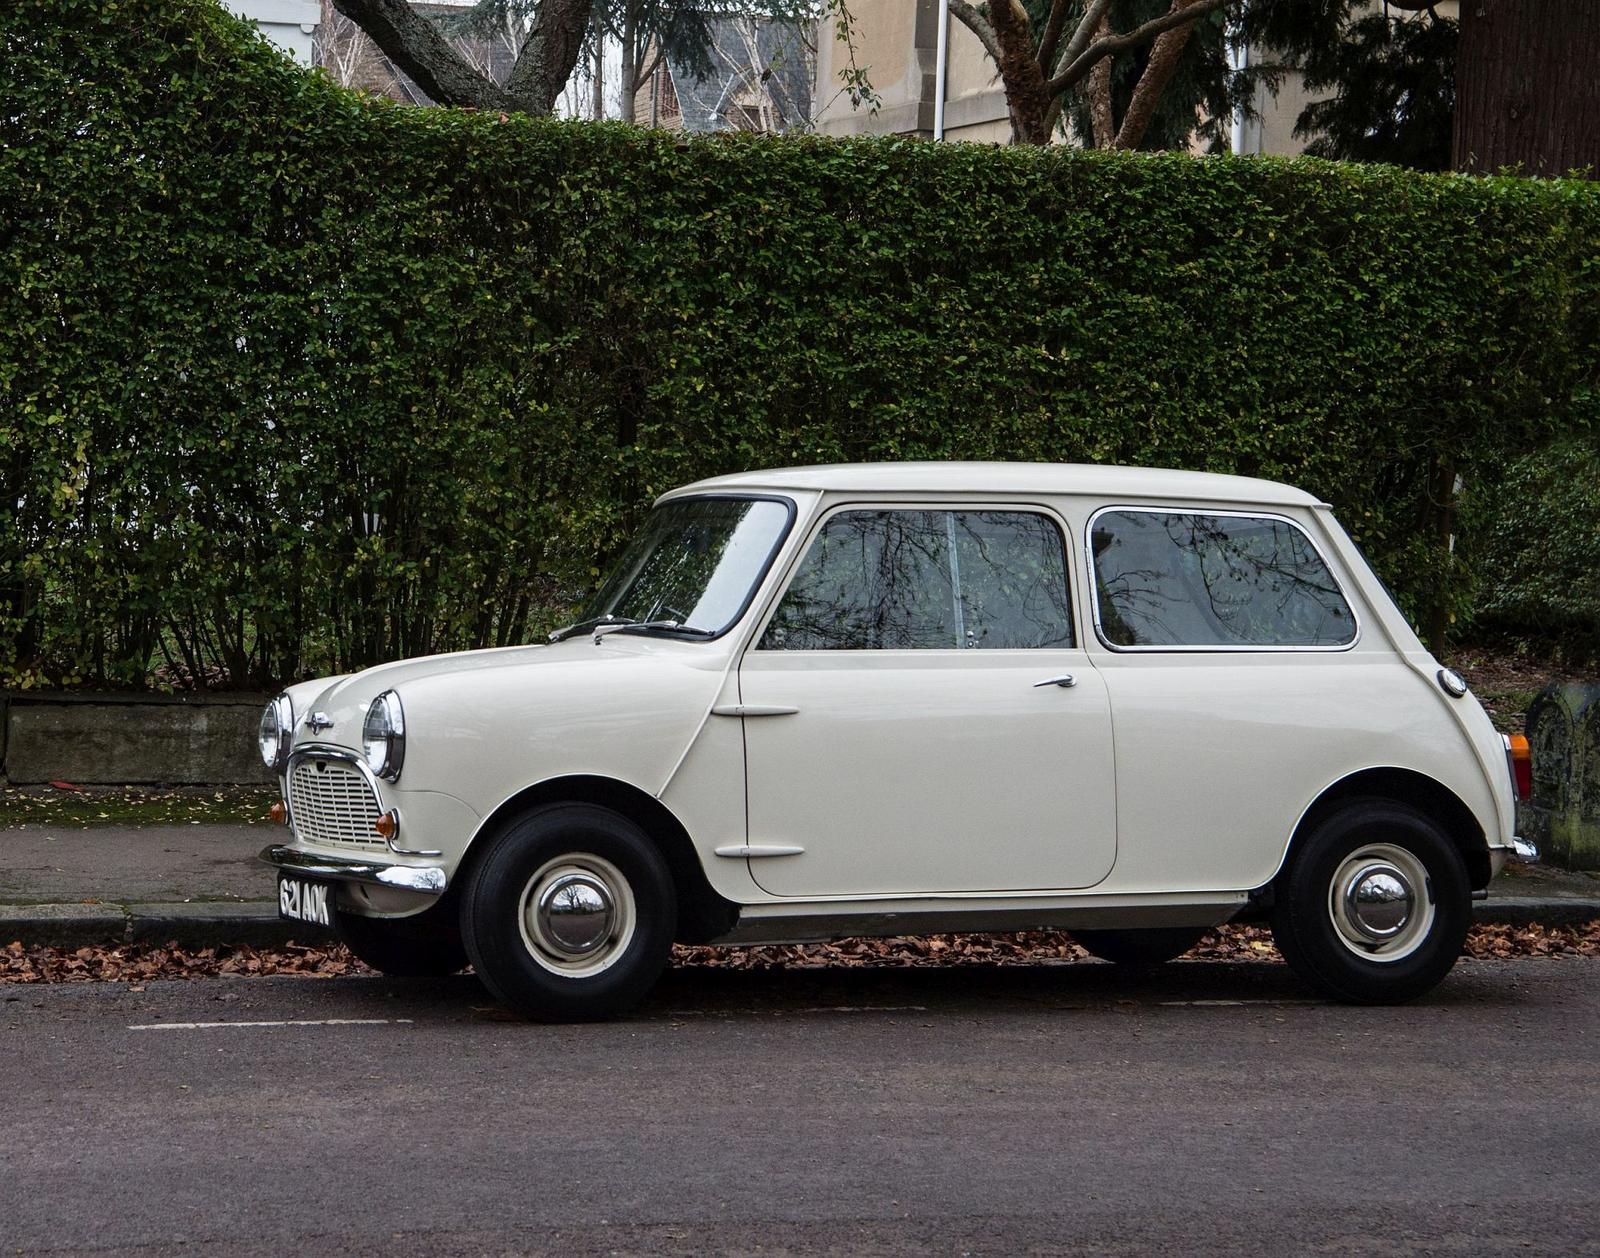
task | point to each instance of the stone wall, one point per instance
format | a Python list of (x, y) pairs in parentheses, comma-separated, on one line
[(89, 740), (1563, 817)]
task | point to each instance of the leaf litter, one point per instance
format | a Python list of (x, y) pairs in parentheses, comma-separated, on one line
[(137, 964)]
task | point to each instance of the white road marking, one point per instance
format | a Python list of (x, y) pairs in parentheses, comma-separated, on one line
[(1229, 1004), (726, 1013), (209, 1026)]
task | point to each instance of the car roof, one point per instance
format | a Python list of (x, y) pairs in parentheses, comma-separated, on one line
[(1099, 480)]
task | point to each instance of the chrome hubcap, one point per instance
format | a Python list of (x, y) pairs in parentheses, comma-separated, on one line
[(1378, 900), (577, 915), (1381, 902)]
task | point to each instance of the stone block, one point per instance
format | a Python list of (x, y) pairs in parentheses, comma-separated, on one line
[(1563, 815), (206, 740)]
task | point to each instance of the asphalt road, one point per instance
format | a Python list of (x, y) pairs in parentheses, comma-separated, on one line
[(1210, 1108)]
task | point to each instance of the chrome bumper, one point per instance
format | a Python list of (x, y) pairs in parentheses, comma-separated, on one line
[(429, 879), (1523, 851)]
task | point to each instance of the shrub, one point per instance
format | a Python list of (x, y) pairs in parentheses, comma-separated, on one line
[(1541, 544), (292, 380)]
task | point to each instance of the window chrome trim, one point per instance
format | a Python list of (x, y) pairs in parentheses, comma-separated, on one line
[(1217, 648), (329, 751), (827, 510)]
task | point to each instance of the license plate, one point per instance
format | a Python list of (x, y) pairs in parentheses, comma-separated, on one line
[(301, 900)]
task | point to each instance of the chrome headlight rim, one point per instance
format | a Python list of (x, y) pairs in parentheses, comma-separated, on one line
[(276, 732), (383, 736)]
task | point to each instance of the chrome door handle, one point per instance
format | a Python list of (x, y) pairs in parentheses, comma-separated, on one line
[(1065, 680)]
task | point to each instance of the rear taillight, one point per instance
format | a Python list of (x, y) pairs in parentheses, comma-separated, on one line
[(1519, 759)]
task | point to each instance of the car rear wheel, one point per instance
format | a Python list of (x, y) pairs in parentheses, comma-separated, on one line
[(1374, 905), (570, 914), (1138, 947), (424, 946)]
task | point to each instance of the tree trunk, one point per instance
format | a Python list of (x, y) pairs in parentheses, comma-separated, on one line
[(415, 44), (599, 83), (549, 54), (1528, 86), (628, 79), (1165, 54), (1026, 93)]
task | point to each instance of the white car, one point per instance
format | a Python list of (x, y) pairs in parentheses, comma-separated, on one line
[(914, 697)]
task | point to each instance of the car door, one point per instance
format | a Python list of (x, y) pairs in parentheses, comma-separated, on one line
[(1240, 686), (920, 715)]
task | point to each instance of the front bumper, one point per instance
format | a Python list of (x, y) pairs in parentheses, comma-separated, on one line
[(427, 879)]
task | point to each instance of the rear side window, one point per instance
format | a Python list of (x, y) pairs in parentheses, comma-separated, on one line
[(932, 580), (1182, 579)]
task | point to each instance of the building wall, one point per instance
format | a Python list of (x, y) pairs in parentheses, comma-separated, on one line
[(291, 24)]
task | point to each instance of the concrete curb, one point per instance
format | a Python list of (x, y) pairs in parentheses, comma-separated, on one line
[(257, 925), (191, 925)]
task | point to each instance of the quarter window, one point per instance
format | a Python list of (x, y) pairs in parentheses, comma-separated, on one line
[(935, 580), (1180, 579)]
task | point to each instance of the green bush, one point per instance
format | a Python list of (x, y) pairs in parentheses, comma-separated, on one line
[(291, 380), (1541, 544)]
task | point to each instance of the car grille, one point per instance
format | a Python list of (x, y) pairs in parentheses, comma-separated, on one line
[(330, 802)]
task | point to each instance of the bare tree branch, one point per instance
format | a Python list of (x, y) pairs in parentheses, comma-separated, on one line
[(1052, 33), (1111, 44), (1093, 21)]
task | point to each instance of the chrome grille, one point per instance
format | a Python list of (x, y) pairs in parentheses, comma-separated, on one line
[(330, 802)]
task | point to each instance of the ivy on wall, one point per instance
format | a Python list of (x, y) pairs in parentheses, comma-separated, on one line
[(294, 381)]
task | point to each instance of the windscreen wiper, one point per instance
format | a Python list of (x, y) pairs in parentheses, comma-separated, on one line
[(673, 626), (567, 631)]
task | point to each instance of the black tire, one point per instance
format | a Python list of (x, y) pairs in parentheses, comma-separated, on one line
[(1139, 947), (1316, 927), (425, 946), (580, 856)]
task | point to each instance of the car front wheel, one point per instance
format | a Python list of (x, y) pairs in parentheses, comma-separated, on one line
[(570, 914), (1374, 905)]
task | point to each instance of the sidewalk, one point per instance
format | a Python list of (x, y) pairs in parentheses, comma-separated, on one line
[(200, 885)]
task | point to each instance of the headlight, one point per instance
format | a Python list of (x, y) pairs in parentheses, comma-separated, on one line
[(384, 735), (275, 731)]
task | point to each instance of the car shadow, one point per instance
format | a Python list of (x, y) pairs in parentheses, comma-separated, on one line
[(714, 991)]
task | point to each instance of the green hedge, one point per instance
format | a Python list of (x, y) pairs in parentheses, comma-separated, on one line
[(1540, 528), (291, 380)]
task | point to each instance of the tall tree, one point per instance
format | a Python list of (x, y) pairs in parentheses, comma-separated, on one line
[(1383, 75), (1528, 86)]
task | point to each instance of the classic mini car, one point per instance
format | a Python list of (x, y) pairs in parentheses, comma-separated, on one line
[(896, 698)]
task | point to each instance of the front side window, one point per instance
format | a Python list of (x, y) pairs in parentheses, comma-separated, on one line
[(1185, 579), (930, 580), (696, 564)]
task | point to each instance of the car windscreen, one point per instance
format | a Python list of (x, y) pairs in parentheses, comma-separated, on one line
[(696, 563)]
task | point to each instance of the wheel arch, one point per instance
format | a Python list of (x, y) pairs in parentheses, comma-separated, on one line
[(702, 913), (1407, 786)]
